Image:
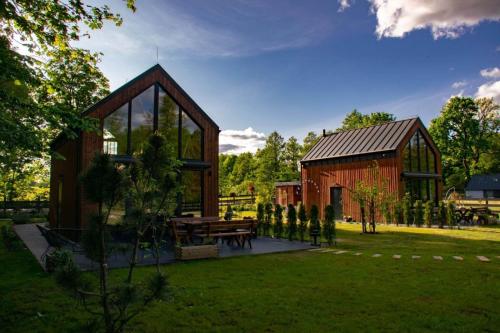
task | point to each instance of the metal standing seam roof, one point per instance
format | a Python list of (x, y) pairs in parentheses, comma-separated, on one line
[(484, 182), (372, 139)]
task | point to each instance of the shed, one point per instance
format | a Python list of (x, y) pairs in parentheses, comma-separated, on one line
[(288, 193), (483, 187)]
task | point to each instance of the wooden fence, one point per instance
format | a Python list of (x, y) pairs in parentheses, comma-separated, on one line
[(34, 206), (236, 200)]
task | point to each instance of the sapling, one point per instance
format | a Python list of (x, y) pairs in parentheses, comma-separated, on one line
[(278, 221), (329, 225), (291, 216), (303, 221)]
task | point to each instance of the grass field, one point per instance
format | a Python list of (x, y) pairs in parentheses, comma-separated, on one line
[(299, 291)]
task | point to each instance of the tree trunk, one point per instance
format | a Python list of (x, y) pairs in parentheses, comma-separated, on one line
[(103, 272), (133, 259)]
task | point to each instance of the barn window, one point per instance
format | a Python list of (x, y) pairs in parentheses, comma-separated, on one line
[(191, 138)]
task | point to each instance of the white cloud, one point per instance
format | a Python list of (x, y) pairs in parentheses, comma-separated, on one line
[(490, 90), (459, 84), (445, 18), (240, 141), (491, 73), (344, 4)]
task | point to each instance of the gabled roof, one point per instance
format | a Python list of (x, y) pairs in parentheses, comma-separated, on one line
[(484, 182), (373, 139), (148, 72), (61, 137), (291, 183)]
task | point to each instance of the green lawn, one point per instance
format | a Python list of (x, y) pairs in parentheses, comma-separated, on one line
[(297, 292)]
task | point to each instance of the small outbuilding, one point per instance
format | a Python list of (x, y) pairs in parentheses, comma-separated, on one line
[(407, 159), (483, 187), (288, 193)]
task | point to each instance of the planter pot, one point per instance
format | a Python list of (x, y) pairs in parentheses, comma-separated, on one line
[(196, 252)]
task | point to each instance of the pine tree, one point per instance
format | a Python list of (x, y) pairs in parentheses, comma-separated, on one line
[(260, 217), (278, 221), (441, 214), (419, 213), (329, 225), (314, 226), (292, 222), (407, 213), (428, 213), (303, 221)]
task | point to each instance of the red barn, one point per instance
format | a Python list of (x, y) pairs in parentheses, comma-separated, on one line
[(288, 193), (407, 159)]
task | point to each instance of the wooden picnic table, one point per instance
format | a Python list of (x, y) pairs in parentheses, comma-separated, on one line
[(211, 227)]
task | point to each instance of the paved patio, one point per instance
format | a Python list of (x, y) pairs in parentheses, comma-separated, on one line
[(37, 244)]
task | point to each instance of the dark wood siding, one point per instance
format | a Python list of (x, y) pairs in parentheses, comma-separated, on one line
[(65, 170)]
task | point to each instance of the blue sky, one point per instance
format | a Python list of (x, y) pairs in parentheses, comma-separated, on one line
[(299, 66)]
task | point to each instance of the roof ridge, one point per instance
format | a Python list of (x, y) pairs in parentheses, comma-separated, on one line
[(364, 127)]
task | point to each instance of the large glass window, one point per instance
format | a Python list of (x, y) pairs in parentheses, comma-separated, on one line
[(168, 119), (190, 138), (145, 116), (418, 156), (191, 181), (414, 153), (406, 157), (142, 118), (115, 132)]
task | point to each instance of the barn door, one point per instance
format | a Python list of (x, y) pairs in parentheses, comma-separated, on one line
[(336, 201)]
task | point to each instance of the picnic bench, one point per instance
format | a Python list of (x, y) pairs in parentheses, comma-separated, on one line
[(466, 215), (186, 230)]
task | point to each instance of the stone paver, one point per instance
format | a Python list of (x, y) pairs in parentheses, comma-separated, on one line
[(397, 256), (328, 250), (437, 257), (482, 258), (415, 257), (376, 255), (340, 252), (459, 258), (357, 253), (315, 250)]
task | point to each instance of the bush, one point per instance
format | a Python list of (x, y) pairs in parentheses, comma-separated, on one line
[(407, 213), (428, 213), (450, 214), (278, 221), (398, 213), (419, 213), (268, 215), (329, 225), (58, 259), (260, 217), (21, 218), (441, 214), (303, 221), (9, 238), (228, 216), (314, 226), (291, 217)]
